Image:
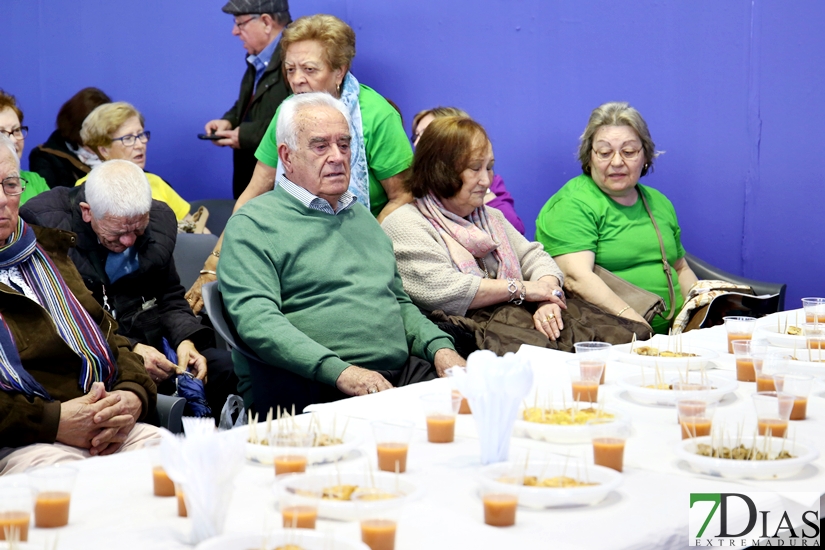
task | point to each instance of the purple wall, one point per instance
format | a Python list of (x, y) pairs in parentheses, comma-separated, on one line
[(731, 90)]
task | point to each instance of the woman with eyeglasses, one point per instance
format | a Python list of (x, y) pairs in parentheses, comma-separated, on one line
[(115, 131), (11, 120), (601, 218)]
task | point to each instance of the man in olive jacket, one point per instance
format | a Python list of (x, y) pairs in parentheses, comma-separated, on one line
[(258, 23), (62, 396)]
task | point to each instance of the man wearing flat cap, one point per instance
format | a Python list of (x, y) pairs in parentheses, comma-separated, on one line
[(258, 23)]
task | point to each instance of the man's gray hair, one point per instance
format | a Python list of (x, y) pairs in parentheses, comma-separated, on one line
[(118, 188), (287, 130), (5, 141)]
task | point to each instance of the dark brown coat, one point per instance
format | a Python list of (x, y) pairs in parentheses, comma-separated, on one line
[(51, 361)]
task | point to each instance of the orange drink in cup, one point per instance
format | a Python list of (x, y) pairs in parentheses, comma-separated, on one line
[(766, 367), (52, 487), (299, 511), (501, 501), (379, 520), (162, 485), (15, 511), (773, 410), (464, 407), (747, 354), (292, 451), (695, 415), (814, 310), (392, 440), (592, 358), (739, 328), (814, 337), (181, 501), (440, 410), (799, 386), (609, 437)]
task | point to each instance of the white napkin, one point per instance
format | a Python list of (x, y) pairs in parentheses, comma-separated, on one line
[(203, 463), (494, 386)]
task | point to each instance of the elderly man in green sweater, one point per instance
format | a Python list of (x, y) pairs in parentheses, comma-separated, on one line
[(309, 279)]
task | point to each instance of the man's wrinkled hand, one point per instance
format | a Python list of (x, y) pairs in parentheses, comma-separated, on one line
[(194, 295), (356, 380), (188, 356), (76, 426), (157, 365), (446, 358)]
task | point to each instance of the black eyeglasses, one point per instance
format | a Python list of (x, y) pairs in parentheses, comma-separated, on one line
[(129, 141), (14, 185), (240, 24), (19, 133)]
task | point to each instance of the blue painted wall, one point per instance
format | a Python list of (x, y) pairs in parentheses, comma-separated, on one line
[(731, 90)]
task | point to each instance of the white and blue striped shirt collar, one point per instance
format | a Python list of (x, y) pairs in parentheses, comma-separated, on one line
[(314, 202)]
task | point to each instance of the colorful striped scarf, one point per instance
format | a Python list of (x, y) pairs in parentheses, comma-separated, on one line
[(73, 322)]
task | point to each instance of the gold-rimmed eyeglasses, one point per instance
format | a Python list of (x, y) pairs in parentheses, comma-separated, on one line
[(608, 154), (14, 185)]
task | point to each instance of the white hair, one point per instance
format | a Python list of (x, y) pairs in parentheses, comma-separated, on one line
[(287, 130), (5, 141), (118, 188)]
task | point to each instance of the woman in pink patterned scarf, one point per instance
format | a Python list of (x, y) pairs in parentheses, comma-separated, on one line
[(457, 255)]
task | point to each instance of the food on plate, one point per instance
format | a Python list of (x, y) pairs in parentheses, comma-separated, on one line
[(794, 331), (564, 417), (557, 482), (650, 351), (350, 492), (740, 453)]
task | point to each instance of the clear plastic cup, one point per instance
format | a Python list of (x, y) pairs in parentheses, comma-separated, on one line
[(181, 498), (739, 328), (440, 410), (501, 501), (773, 410), (52, 489), (745, 351), (814, 310), (695, 415), (766, 367), (392, 441), (293, 448), (609, 438), (299, 510), (15, 511), (162, 485), (592, 356), (798, 385), (379, 519), (814, 336)]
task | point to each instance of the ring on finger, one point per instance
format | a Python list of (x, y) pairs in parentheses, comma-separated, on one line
[(373, 389), (551, 317)]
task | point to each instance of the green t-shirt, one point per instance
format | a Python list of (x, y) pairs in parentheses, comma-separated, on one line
[(581, 217), (387, 147), (34, 186)]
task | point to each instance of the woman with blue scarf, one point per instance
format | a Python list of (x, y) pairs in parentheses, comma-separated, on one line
[(317, 54)]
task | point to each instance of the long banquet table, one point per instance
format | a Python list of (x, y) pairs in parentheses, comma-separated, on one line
[(113, 505)]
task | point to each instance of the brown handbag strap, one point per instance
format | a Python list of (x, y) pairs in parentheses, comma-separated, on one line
[(665, 264), (78, 164)]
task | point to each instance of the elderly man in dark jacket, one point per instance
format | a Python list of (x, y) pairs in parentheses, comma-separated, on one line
[(69, 385), (258, 23), (125, 242)]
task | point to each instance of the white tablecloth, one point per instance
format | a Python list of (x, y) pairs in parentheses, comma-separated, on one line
[(113, 504)]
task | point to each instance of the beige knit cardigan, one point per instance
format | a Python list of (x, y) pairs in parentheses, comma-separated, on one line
[(432, 279)]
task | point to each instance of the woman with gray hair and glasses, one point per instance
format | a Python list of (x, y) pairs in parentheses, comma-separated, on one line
[(606, 217)]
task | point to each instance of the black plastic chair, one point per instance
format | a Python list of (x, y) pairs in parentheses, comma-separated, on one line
[(219, 212), (191, 251), (704, 270), (170, 413)]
